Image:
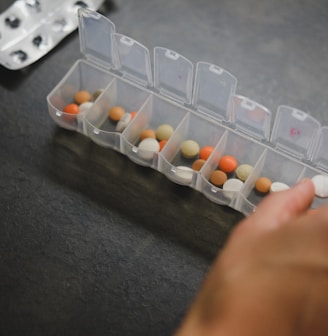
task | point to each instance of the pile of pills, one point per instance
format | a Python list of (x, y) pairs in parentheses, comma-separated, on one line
[(119, 116), (82, 101), (153, 141)]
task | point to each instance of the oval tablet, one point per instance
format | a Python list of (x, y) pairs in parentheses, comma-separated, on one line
[(320, 185), (278, 186), (123, 122), (184, 174), (116, 113), (147, 147), (147, 133), (198, 164), (232, 186)]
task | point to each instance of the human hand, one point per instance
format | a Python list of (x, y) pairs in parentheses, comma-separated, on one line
[(271, 278)]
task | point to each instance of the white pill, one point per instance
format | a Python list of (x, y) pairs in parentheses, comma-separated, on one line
[(184, 174), (278, 186), (320, 185), (84, 107), (123, 122), (231, 186), (147, 147)]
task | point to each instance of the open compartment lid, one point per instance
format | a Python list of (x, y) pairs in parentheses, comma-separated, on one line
[(320, 156), (250, 117), (96, 39), (295, 132), (213, 89), (133, 59), (173, 75)]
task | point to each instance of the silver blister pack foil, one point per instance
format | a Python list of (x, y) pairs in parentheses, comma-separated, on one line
[(29, 29)]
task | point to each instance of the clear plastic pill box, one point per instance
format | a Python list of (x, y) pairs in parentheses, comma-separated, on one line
[(199, 101)]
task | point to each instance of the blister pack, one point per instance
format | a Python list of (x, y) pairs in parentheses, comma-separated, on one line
[(29, 29)]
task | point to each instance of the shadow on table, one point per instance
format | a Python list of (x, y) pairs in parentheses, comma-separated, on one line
[(144, 195)]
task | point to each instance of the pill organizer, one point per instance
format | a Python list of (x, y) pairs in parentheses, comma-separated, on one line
[(200, 102), (31, 28)]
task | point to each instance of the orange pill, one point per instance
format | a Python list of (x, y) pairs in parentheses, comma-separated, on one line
[(116, 113), (147, 133), (218, 177), (228, 163), (71, 109), (133, 114), (81, 97), (263, 185), (198, 164), (205, 152), (162, 143)]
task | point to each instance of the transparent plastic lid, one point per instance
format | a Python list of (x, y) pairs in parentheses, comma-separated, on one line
[(173, 74), (294, 132), (320, 157), (213, 89), (96, 39), (251, 118), (29, 29), (133, 59)]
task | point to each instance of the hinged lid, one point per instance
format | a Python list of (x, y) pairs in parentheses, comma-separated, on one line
[(294, 132), (320, 156), (213, 89), (173, 74), (250, 117), (96, 39), (133, 59)]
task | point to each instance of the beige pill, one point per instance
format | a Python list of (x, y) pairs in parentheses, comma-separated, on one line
[(189, 149), (243, 171), (163, 132)]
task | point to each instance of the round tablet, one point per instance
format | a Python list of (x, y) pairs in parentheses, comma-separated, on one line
[(189, 149), (163, 132), (218, 177), (81, 97), (116, 113), (184, 174), (162, 143), (278, 186), (228, 163), (263, 184), (205, 152), (231, 186), (320, 185), (147, 133), (147, 147), (85, 106), (123, 122), (243, 171), (71, 109), (198, 164)]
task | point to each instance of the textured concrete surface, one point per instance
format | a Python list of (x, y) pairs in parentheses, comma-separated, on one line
[(91, 243)]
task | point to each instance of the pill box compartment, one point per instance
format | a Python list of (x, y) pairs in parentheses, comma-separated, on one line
[(82, 76), (204, 108), (155, 112), (98, 126)]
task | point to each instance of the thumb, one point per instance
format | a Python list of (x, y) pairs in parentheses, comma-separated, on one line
[(278, 208)]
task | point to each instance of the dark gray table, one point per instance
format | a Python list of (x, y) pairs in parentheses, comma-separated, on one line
[(91, 243)]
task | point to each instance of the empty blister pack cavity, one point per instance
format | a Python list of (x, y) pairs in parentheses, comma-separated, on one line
[(184, 121), (29, 29)]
